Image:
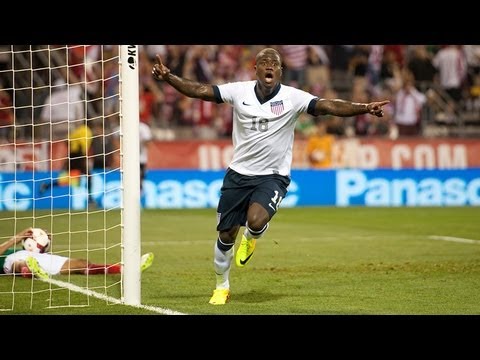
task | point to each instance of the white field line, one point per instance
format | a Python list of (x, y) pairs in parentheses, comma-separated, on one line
[(146, 243), (110, 299), (454, 239)]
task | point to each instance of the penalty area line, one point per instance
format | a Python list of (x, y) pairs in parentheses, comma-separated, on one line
[(454, 239), (109, 298)]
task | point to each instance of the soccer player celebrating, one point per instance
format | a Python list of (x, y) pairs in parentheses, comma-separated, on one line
[(256, 181)]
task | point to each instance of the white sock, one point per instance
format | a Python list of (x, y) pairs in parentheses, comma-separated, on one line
[(222, 262), (248, 234)]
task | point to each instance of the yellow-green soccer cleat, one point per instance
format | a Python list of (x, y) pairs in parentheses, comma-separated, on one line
[(245, 251), (220, 296), (146, 261), (35, 268)]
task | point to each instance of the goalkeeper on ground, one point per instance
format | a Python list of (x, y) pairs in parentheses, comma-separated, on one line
[(15, 260)]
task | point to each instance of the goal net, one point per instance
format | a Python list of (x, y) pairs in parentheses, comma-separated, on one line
[(68, 119)]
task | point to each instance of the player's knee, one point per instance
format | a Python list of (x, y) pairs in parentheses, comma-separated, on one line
[(227, 237), (257, 218), (257, 231), (256, 225)]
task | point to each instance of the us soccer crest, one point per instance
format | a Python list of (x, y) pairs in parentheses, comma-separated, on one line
[(276, 107)]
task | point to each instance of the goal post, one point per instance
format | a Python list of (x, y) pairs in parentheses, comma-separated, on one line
[(129, 124)]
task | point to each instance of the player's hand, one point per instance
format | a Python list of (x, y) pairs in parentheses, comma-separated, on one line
[(159, 70), (26, 233), (376, 108)]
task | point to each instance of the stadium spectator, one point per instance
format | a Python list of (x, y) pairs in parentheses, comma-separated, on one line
[(320, 146), (317, 72), (452, 69), (265, 112), (150, 100), (472, 56), (358, 65), (295, 60), (390, 71), (361, 122), (420, 64), (78, 163), (15, 260), (63, 107), (374, 64), (6, 116), (408, 107), (102, 148)]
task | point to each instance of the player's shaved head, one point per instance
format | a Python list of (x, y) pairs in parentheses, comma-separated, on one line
[(271, 52)]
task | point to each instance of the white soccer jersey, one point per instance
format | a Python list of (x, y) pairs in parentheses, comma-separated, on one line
[(52, 264), (263, 133)]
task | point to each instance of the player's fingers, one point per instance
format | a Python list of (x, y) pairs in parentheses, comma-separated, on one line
[(159, 59), (385, 102), (155, 70)]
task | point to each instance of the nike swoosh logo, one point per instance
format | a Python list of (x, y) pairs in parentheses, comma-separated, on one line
[(245, 261), (244, 103)]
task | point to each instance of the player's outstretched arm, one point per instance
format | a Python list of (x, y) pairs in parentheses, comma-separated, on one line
[(340, 107), (188, 88)]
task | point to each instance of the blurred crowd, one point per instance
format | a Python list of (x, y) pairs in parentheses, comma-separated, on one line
[(432, 88), (427, 85)]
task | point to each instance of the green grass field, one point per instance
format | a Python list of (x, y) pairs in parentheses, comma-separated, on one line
[(323, 261)]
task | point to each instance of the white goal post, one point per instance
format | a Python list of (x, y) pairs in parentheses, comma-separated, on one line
[(129, 120), (55, 100)]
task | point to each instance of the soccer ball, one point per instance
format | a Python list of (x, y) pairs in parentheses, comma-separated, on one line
[(39, 242)]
